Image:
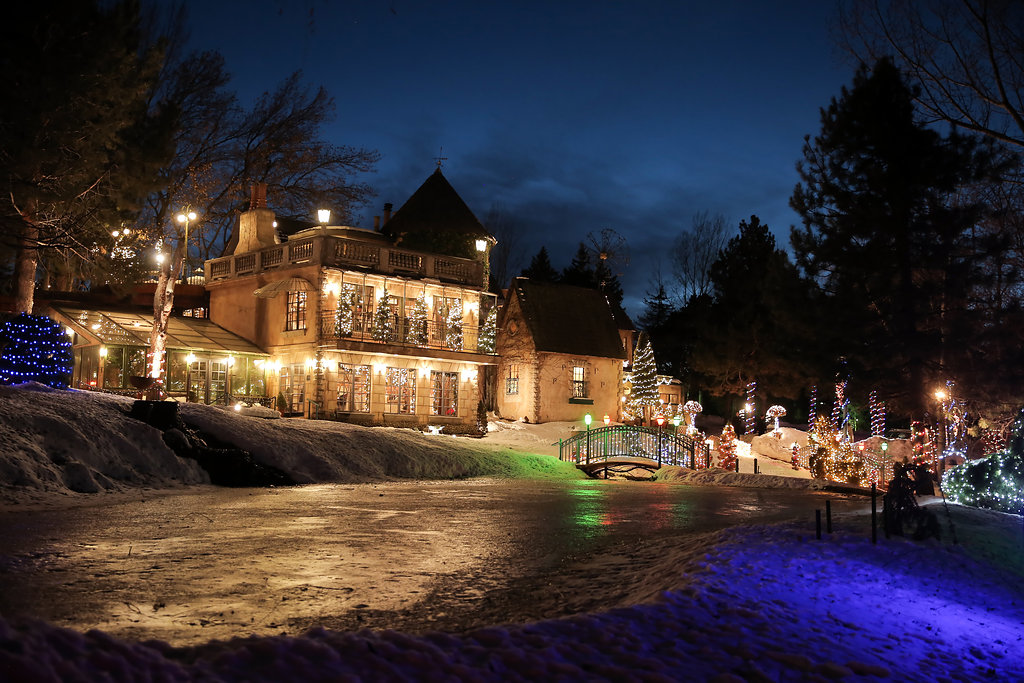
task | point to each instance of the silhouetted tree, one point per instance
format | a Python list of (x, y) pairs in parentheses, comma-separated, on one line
[(540, 268)]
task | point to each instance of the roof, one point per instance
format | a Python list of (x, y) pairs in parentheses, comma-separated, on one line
[(131, 328), (568, 319), (433, 210)]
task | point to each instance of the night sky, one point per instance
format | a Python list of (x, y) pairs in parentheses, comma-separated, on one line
[(572, 116)]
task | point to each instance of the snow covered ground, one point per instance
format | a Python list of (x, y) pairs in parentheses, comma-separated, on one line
[(762, 603)]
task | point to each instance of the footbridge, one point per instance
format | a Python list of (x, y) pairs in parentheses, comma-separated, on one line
[(624, 448)]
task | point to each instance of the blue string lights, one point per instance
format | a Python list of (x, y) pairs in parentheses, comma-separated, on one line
[(35, 349)]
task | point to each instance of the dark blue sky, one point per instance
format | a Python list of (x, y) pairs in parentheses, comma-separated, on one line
[(574, 116)]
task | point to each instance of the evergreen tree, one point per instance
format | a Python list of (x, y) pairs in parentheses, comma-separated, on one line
[(416, 324), (540, 269), (489, 331), (580, 271), (346, 307), (383, 329), (887, 233), (727, 448), (453, 327), (644, 392), (657, 309), (608, 283)]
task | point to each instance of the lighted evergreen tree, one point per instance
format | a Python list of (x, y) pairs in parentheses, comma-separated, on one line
[(416, 323), (35, 349), (727, 448), (488, 331), (453, 327), (644, 392), (383, 329), (346, 306)]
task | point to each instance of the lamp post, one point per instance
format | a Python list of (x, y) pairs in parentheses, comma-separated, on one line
[(941, 396), (185, 218), (230, 362), (675, 444), (661, 422), (587, 420)]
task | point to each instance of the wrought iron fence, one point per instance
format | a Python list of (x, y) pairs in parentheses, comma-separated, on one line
[(624, 441)]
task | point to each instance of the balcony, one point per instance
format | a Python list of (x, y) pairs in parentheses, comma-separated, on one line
[(351, 253), (431, 335)]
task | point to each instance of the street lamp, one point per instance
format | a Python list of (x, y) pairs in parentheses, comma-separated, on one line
[(675, 444), (185, 218), (189, 360), (587, 419), (661, 422)]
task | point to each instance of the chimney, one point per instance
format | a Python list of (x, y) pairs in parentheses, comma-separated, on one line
[(376, 222), (256, 226), (387, 213), (258, 198)]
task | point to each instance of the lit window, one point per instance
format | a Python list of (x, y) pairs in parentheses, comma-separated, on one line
[(295, 314), (400, 391), (353, 388), (512, 381), (444, 393), (579, 381)]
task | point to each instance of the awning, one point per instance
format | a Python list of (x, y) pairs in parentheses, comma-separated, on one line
[(292, 284)]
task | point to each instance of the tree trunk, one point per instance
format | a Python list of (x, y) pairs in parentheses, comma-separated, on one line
[(25, 267), (163, 303)]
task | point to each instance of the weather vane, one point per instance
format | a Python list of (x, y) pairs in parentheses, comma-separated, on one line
[(439, 158)]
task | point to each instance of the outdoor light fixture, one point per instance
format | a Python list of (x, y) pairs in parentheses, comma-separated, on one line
[(323, 216), (190, 358), (238, 407), (186, 217), (103, 351), (940, 395), (588, 419), (481, 245), (607, 419), (660, 420), (160, 257), (676, 420)]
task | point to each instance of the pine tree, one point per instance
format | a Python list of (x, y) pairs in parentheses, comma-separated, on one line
[(727, 448), (644, 392), (416, 323), (383, 322), (453, 327), (488, 331), (580, 271), (35, 349), (346, 307), (540, 268)]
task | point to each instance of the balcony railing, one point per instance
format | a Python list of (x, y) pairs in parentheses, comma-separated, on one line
[(348, 252), (431, 333)]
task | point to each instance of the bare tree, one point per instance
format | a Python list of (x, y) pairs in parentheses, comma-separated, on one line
[(507, 256), (966, 56), (693, 252)]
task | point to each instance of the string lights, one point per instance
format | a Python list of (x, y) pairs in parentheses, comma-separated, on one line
[(750, 409), (727, 448), (812, 414), (692, 409), (488, 331), (877, 409), (35, 349), (996, 481)]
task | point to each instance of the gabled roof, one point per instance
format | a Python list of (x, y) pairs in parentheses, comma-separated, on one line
[(568, 319), (435, 208)]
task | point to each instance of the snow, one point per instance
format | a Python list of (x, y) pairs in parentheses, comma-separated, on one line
[(756, 603)]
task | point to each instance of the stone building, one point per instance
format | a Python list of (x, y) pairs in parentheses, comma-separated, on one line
[(560, 354), (375, 326)]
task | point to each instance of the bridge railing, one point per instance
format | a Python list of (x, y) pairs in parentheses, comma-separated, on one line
[(665, 446)]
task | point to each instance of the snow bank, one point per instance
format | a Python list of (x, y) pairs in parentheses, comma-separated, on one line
[(719, 477), (68, 442)]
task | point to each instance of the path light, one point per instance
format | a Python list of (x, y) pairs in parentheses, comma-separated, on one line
[(607, 420)]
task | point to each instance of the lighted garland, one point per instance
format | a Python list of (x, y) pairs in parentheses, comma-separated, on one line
[(812, 414), (344, 313), (35, 349), (832, 457), (750, 410), (877, 409)]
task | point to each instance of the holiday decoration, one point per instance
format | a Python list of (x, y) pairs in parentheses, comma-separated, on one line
[(383, 329), (453, 326), (841, 411), (920, 443), (996, 481), (750, 409), (488, 331), (795, 449), (774, 413), (644, 392), (692, 409), (416, 323), (830, 456), (812, 414), (877, 409), (343, 315), (727, 448), (35, 349)]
